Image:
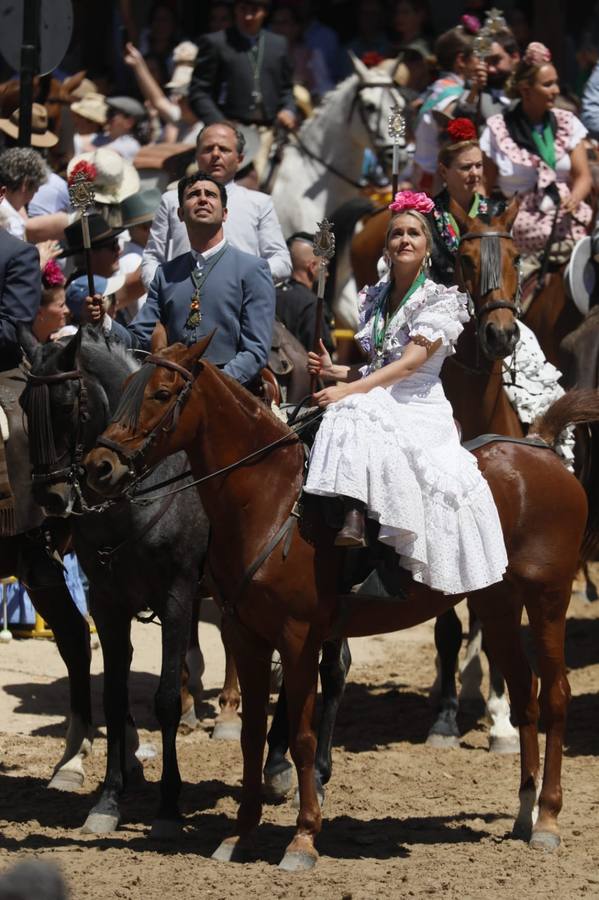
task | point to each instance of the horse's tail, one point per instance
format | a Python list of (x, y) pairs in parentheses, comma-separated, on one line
[(579, 407)]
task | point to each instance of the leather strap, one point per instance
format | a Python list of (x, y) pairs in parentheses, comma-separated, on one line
[(483, 439)]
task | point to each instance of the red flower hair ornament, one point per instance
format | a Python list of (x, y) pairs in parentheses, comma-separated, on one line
[(404, 201), (52, 275), (461, 129)]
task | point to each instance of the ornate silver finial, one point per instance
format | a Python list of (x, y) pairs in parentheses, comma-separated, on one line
[(396, 124), (324, 242), (81, 192), (494, 23)]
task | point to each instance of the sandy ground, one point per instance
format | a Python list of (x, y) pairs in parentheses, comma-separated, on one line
[(401, 819)]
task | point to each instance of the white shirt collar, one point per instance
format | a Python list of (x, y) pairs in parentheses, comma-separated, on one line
[(202, 257)]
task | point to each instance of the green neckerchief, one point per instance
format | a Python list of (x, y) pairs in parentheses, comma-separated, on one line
[(545, 144), (473, 213), (199, 279), (382, 322)]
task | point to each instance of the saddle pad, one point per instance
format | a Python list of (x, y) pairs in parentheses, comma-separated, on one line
[(483, 439)]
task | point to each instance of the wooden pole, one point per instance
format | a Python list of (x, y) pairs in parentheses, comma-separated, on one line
[(30, 63)]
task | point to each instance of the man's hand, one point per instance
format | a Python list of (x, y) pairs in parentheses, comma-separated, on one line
[(286, 118), (93, 309), (478, 78)]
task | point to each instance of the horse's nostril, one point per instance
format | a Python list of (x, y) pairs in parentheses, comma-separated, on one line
[(104, 469)]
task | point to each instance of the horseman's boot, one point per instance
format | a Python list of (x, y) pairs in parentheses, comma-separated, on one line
[(353, 533)]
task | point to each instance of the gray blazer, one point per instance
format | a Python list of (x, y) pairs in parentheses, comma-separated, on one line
[(238, 300), (20, 294)]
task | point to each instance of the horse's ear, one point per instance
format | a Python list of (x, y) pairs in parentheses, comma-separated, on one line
[(509, 216), (28, 341), (196, 351), (359, 68), (465, 223), (159, 339), (69, 355)]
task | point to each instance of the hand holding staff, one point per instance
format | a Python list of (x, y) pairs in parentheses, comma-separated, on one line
[(324, 249)]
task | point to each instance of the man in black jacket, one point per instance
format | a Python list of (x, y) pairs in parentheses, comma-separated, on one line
[(20, 293), (244, 73), (296, 300)]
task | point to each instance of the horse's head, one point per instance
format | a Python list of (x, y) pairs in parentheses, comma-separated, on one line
[(66, 407), (377, 94), (487, 268), (152, 420)]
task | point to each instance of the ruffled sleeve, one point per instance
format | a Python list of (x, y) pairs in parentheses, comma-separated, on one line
[(439, 316)]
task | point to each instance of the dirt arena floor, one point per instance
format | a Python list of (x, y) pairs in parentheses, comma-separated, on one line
[(400, 819)]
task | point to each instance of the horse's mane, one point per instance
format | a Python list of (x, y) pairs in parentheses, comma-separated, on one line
[(331, 98)]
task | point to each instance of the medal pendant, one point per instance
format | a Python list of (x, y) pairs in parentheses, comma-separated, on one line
[(195, 316)]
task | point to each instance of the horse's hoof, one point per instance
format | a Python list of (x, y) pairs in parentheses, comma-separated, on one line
[(230, 850), (229, 729), (277, 786), (442, 741), (521, 831), (544, 840), (101, 823), (295, 861), (507, 744), (67, 780), (166, 830), (188, 721)]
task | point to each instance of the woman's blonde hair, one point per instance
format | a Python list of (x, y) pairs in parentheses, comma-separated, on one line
[(423, 222), (535, 57)]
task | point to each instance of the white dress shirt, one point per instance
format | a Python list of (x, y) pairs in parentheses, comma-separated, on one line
[(252, 225)]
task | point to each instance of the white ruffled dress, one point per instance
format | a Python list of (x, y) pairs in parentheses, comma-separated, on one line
[(397, 450)]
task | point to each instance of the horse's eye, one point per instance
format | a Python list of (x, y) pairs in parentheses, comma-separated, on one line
[(162, 395), (370, 107)]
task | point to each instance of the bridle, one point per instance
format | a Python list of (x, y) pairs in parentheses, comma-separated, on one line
[(512, 305), (69, 473), (165, 425)]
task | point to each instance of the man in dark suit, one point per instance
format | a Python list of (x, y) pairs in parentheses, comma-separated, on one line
[(296, 300), (20, 293), (244, 73), (214, 286)]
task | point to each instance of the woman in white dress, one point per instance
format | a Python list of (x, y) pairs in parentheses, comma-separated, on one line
[(388, 443)]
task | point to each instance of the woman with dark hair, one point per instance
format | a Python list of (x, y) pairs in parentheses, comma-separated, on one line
[(537, 151), (411, 27), (457, 63)]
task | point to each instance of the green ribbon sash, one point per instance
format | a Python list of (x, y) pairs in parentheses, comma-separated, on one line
[(545, 144), (382, 322)]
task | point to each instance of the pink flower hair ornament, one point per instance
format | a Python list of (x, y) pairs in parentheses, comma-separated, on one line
[(537, 54), (470, 24), (52, 275), (405, 201)]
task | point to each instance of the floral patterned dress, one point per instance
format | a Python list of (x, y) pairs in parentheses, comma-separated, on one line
[(397, 450)]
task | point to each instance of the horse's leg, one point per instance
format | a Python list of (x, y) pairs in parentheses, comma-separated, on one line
[(500, 617), (471, 673), (175, 635), (194, 657), (547, 616), (444, 731), (114, 629), (503, 737), (334, 669), (277, 768), (188, 721), (252, 655), (71, 632), (228, 723), (300, 674)]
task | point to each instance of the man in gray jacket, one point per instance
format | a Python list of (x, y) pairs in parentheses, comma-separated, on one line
[(212, 286), (252, 225)]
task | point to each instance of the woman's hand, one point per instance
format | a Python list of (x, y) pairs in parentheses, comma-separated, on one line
[(332, 394), (569, 205), (48, 250), (320, 363), (132, 56)]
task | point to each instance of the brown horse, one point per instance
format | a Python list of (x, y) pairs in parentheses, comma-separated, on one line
[(279, 584)]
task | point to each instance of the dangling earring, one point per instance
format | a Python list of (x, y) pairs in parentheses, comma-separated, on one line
[(426, 264)]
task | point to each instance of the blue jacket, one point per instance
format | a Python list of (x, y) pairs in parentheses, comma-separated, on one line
[(238, 300), (20, 294)]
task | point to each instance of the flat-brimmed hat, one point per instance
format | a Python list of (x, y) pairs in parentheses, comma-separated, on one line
[(116, 178), (100, 233), (40, 134), (78, 290), (580, 276), (93, 107), (184, 57), (127, 105), (141, 207)]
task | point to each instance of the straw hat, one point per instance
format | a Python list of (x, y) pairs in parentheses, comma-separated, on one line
[(140, 208), (40, 135), (93, 107), (115, 179), (184, 57)]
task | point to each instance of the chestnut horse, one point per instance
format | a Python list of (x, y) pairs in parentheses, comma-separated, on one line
[(279, 584)]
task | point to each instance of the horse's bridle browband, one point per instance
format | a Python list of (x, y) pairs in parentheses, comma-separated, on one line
[(69, 472), (493, 304)]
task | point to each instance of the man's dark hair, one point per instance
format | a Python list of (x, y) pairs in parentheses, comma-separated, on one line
[(188, 180), (505, 38), (303, 236), (239, 136)]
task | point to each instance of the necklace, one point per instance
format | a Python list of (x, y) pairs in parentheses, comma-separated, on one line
[(383, 322), (194, 316), (256, 58)]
